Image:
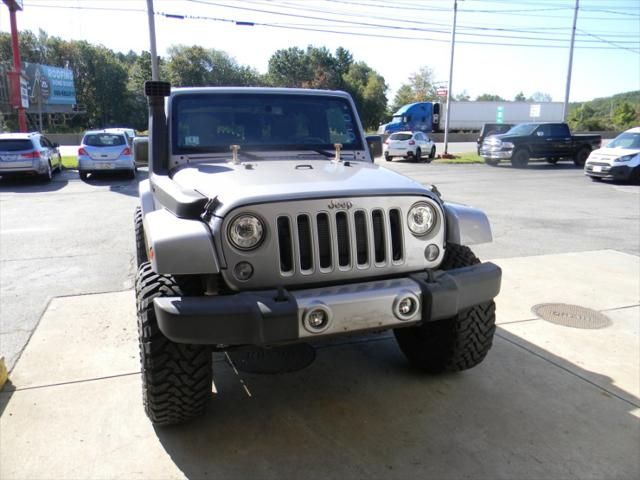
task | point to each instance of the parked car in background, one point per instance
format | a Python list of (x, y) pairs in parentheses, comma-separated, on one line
[(130, 132), (28, 154), (550, 141), (105, 150), (411, 145), (619, 160), (489, 129)]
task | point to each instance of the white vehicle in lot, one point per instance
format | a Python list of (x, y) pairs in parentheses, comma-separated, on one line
[(105, 150), (619, 160), (411, 145), (28, 154)]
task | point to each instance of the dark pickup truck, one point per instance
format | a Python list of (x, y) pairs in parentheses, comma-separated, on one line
[(551, 141)]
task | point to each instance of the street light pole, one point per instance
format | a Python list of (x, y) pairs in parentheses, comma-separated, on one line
[(568, 87), (453, 44), (155, 75), (14, 6)]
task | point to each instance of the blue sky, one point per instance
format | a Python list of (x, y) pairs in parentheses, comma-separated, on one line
[(606, 60)]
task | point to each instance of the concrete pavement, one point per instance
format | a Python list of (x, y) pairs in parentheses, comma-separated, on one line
[(548, 402)]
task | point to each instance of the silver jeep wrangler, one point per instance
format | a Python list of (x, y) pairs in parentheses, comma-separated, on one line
[(265, 222)]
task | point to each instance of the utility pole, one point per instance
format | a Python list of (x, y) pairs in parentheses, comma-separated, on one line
[(453, 44), (155, 75), (573, 37), (16, 76)]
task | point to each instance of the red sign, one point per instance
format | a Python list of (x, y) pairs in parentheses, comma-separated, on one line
[(442, 92)]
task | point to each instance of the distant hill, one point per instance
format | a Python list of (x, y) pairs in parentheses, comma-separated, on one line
[(618, 112)]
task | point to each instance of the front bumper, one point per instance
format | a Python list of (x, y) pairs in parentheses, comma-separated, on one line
[(496, 154), (274, 317), (608, 172)]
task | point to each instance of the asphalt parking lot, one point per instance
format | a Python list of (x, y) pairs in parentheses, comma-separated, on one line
[(549, 402)]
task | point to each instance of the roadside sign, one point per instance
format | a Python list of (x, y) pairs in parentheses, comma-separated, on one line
[(441, 92), (534, 111), (24, 93), (500, 114)]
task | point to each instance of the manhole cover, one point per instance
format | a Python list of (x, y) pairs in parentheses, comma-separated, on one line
[(288, 358), (571, 315)]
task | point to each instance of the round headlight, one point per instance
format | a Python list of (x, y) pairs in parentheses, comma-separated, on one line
[(246, 232), (421, 219)]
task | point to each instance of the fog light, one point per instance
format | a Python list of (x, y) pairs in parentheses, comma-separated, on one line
[(317, 318), (405, 306), (431, 252), (243, 271)]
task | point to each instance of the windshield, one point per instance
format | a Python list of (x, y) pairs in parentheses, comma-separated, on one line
[(523, 129), (625, 140), (396, 119), (256, 121), (103, 140)]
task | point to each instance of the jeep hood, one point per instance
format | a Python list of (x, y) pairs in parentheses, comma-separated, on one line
[(272, 181)]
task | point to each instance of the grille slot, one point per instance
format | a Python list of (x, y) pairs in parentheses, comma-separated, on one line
[(284, 244), (395, 225), (362, 244), (304, 240), (319, 243), (324, 240), (344, 244), (379, 244)]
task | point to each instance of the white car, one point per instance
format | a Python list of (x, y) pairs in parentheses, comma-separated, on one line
[(105, 150), (619, 160), (411, 145)]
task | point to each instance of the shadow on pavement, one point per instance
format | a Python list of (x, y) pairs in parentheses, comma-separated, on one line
[(33, 184), (516, 415), (117, 182)]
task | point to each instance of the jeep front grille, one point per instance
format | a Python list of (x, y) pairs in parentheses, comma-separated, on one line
[(306, 241)]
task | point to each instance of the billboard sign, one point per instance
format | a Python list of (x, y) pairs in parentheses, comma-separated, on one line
[(50, 85)]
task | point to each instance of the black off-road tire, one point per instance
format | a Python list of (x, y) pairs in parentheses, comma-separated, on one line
[(176, 378), (581, 157), (456, 343), (520, 158), (141, 247)]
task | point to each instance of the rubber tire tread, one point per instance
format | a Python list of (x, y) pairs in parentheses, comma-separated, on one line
[(141, 247), (453, 344), (578, 161), (176, 378)]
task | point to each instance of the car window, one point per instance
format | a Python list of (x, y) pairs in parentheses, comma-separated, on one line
[(15, 145), (45, 142), (401, 136), (559, 130), (104, 140), (545, 129)]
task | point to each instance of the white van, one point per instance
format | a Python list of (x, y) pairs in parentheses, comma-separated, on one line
[(619, 160)]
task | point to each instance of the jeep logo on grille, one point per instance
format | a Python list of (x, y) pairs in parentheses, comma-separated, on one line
[(338, 204)]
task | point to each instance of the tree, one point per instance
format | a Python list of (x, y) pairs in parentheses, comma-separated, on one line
[(489, 97), (462, 97), (422, 85), (625, 116), (540, 97), (584, 118), (520, 97), (368, 90), (404, 95)]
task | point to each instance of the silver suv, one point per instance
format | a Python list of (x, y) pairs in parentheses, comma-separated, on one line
[(28, 154), (265, 222)]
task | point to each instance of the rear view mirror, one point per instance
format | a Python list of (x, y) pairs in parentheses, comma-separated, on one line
[(374, 142), (141, 150)]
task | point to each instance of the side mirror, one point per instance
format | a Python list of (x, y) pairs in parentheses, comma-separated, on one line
[(540, 134), (374, 142), (141, 150)]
